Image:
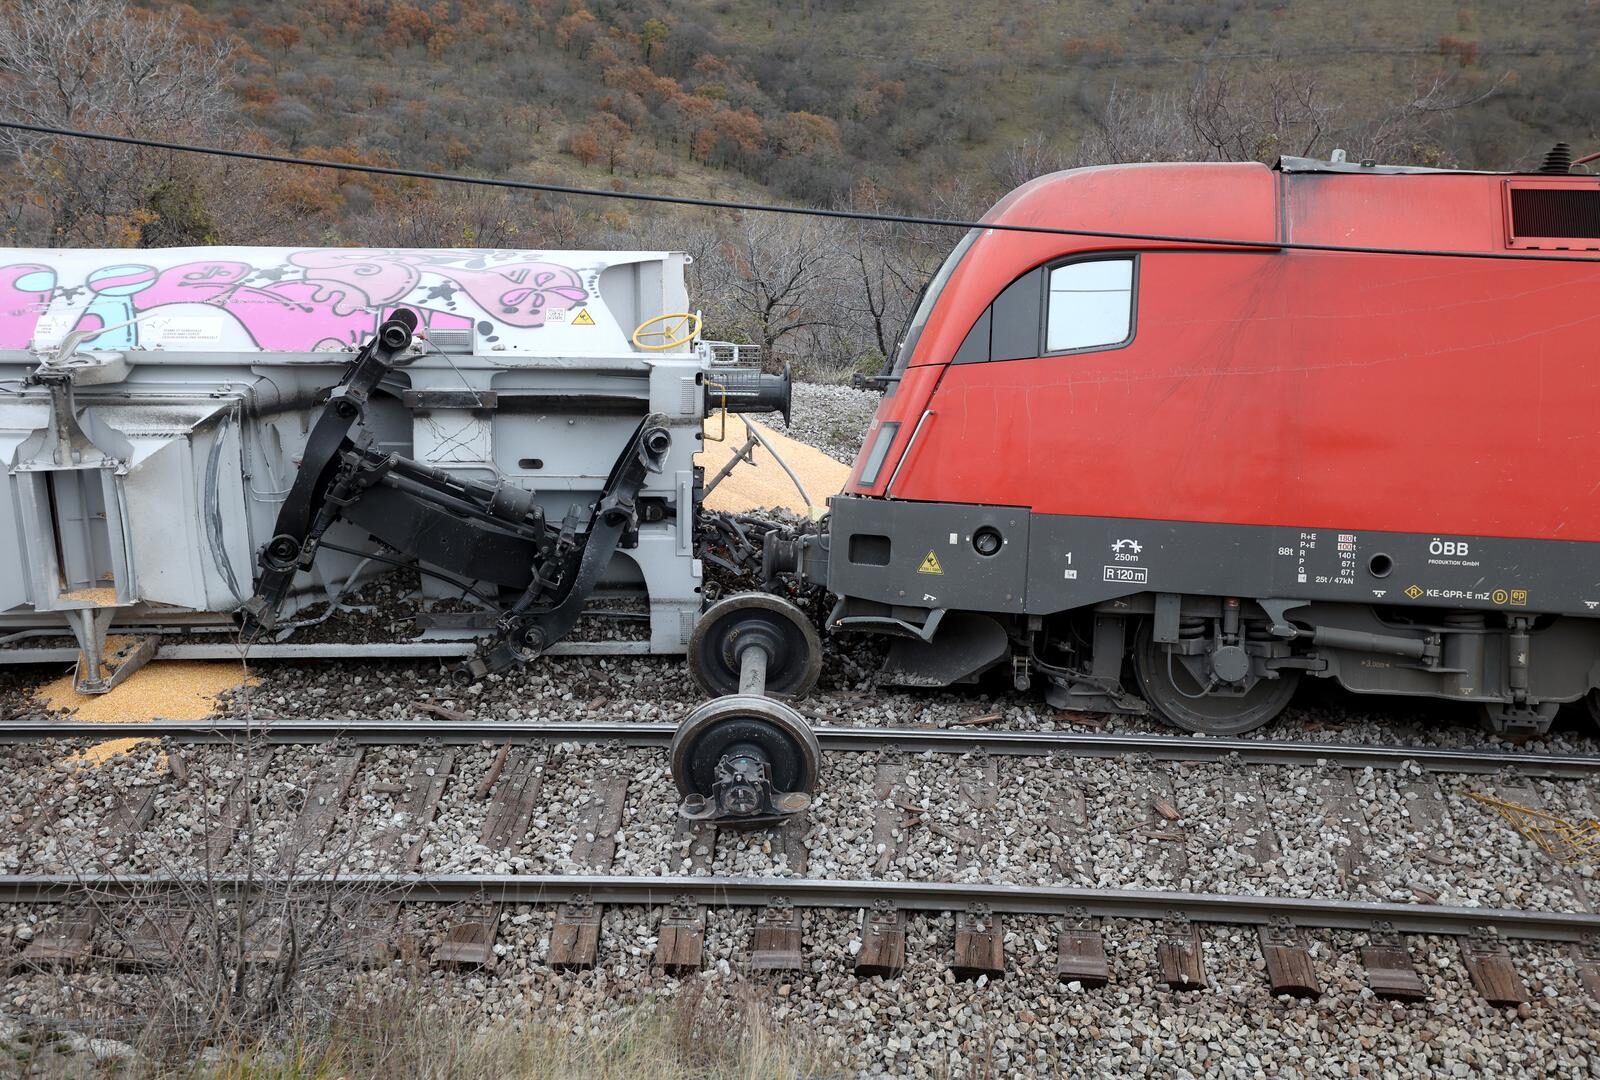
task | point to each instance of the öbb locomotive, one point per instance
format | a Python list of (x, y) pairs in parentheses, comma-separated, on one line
[(1357, 442), (1164, 438)]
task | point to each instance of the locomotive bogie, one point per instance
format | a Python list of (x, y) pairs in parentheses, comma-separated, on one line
[(1160, 651)]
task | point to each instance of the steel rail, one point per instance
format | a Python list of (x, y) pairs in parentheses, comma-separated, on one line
[(1066, 901), (831, 737), (299, 650)]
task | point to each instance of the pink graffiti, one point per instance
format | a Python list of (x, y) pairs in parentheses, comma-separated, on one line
[(25, 290), (516, 293), (368, 278), (284, 316), (318, 298)]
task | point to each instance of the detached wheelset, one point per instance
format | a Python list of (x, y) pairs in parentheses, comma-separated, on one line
[(747, 757)]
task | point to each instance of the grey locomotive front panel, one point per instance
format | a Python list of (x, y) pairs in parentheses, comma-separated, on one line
[(923, 555)]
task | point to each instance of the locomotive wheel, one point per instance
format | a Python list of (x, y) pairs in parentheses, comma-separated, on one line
[(730, 723), (1181, 699), (782, 630)]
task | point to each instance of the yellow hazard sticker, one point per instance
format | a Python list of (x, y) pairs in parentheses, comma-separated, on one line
[(930, 564), (583, 318)]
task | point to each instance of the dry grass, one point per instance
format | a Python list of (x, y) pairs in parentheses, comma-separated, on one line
[(396, 1034)]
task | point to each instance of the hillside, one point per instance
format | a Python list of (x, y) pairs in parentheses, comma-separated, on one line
[(930, 107), (811, 99)]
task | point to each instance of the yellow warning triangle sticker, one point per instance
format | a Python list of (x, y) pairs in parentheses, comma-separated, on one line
[(930, 565), (583, 318)]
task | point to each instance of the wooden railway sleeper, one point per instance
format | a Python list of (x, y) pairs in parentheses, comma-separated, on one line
[(1390, 972), (1290, 968), (1081, 951)]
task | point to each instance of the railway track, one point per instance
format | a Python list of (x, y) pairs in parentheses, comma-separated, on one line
[(1291, 931), (514, 789), (745, 892), (1174, 748)]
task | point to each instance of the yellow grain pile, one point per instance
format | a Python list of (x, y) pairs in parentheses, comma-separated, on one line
[(161, 690), (765, 484), (103, 596)]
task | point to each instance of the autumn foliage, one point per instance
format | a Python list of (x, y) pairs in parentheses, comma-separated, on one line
[(490, 83)]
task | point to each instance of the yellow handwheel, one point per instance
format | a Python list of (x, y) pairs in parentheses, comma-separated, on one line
[(667, 331)]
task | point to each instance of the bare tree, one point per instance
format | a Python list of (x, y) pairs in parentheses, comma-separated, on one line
[(1413, 129), (1253, 117), (1260, 121), (1031, 157), (452, 217), (1139, 127), (103, 66), (886, 268), (777, 272)]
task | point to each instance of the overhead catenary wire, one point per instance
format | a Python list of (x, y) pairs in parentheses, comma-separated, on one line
[(774, 208)]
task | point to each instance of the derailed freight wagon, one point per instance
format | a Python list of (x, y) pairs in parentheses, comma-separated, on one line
[(1223, 467), (204, 442)]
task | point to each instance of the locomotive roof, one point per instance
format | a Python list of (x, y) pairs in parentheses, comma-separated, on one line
[(1303, 201), (1365, 168), (301, 300)]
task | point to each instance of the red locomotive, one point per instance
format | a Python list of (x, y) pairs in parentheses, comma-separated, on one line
[(1239, 465), (1354, 442)]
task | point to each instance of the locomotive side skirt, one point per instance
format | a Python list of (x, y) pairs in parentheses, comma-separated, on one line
[(922, 554), (1114, 557), (1467, 618)]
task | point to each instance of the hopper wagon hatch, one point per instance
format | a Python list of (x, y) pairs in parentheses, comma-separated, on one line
[(211, 446)]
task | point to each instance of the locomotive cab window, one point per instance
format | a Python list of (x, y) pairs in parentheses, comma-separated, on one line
[(1072, 307), (1090, 305)]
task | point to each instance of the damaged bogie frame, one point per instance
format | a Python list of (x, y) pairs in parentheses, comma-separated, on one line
[(490, 534)]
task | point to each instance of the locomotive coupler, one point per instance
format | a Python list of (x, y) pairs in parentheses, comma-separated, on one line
[(804, 556)]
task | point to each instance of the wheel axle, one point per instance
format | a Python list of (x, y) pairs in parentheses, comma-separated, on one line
[(747, 758)]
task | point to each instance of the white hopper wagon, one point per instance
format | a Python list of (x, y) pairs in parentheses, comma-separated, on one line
[(207, 448)]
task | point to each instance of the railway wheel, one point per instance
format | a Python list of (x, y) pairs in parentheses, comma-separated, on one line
[(1591, 707), (1203, 704), (755, 620), (745, 760)]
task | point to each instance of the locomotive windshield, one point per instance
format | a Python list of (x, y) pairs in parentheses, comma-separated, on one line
[(930, 297)]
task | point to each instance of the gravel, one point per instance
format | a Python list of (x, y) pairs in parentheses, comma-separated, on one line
[(831, 417), (1086, 822)]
